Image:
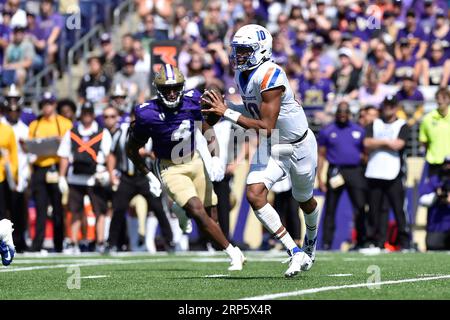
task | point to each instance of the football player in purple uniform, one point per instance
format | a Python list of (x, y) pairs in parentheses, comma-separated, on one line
[(170, 121)]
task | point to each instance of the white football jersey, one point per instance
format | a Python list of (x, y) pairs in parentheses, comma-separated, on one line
[(292, 122)]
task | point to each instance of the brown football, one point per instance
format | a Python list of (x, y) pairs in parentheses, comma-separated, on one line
[(210, 118)]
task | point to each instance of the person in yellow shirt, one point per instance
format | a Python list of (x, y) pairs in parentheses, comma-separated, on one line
[(435, 132), (44, 179), (8, 164)]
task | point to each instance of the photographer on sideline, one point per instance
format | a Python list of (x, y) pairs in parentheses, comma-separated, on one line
[(436, 196)]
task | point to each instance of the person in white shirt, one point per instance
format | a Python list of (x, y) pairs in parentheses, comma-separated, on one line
[(83, 151)]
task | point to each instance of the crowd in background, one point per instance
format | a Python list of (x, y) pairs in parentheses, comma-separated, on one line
[(353, 53)]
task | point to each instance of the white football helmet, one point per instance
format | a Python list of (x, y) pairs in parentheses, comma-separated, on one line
[(258, 42)]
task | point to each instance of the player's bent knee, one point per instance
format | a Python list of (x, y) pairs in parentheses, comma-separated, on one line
[(256, 196), (308, 205)]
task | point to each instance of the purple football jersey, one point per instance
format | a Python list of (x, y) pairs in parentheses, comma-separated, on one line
[(172, 131)]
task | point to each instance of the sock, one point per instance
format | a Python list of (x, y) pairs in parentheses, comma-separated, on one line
[(269, 218), (311, 221), (229, 250), (271, 221), (150, 232)]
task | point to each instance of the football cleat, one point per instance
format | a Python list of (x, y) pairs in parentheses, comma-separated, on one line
[(296, 262), (7, 249), (237, 260), (309, 247)]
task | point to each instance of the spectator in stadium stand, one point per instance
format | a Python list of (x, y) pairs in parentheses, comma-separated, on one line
[(19, 201), (435, 130), (427, 19), (341, 144), (385, 142), (250, 14), (387, 33), (37, 37), (281, 50), (316, 94), (143, 64), (19, 55), (18, 15), (119, 101), (85, 171), (5, 35), (67, 108), (417, 38), (130, 183), (95, 85), (184, 28), (436, 69), (127, 48), (111, 61), (316, 51), (44, 178), (346, 76), (407, 63), (162, 11), (382, 63), (411, 100), (135, 83), (300, 44), (360, 38), (441, 31), (323, 22), (149, 34), (372, 92), (8, 165), (51, 24), (213, 21)]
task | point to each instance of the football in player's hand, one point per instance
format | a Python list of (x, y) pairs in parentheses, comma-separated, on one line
[(210, 118)]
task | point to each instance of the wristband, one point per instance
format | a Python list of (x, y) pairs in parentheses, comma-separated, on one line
[(231, 115)]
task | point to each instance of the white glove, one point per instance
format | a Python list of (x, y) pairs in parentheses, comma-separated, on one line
[(427, 200), (62, 185), (217, 169), (155, 184), (102, 178)]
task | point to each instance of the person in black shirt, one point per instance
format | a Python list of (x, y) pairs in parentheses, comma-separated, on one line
[(95, 85)]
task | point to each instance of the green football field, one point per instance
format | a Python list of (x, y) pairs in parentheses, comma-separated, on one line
[(205, 276)]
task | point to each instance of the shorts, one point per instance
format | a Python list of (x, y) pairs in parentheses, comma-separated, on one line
[(300, 167), (76, 197), (187, 180)]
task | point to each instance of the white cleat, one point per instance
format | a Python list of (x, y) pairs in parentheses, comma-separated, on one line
[(6, 230), (297, 261), (237, 260)]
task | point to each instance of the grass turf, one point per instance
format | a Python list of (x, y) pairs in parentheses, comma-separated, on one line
[(184, 277)]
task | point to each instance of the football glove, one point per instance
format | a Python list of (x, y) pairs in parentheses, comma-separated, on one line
[(155, 184)]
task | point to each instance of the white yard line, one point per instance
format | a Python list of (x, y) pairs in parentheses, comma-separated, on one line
[(341, 275), (95, 277), (334, 288), (217, 276)]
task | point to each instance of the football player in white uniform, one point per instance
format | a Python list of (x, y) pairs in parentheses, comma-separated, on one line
[(271, 109)]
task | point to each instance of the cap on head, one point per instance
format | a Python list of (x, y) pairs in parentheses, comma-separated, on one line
[(169, 78), (47, 98), (105, 38), (390, 100), (87, 107), (345, 52)]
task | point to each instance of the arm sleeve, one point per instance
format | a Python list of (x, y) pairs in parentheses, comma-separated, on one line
[(65, 146), (404, 133), (106, 143), (369, 131)]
